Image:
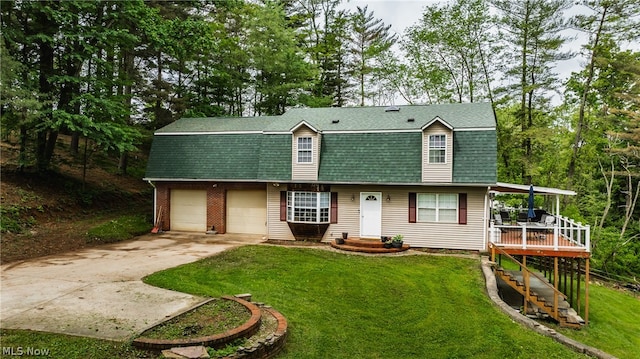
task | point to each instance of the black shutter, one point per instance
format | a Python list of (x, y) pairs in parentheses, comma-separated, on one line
[(412, 207), (334, 207), (283, 205), (462, 208)]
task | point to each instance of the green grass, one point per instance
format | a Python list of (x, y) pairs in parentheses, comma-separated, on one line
[(614, 322), (614, 319), (119, 229), (341, 306), (215, 317), (64, 346)]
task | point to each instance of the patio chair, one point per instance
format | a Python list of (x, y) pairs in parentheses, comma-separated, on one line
[(546, 220), (504, 216), (522, 217)]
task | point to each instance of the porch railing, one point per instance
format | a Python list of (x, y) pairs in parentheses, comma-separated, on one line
[(563, 234)]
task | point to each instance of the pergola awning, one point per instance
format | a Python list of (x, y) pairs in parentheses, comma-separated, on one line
[(512, 188)]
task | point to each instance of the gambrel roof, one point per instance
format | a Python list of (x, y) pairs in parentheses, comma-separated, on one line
[(358, 145)]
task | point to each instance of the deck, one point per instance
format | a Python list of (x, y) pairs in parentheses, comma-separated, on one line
[(563, 238)]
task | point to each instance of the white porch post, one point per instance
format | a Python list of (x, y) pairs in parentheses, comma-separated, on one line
[(487, 218)]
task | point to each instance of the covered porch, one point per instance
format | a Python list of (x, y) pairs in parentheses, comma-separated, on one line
[(546, 233)]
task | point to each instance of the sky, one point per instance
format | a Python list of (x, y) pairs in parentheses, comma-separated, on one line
[(401, 14)]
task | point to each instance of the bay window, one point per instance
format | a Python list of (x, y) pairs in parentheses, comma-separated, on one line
[(308, 207)]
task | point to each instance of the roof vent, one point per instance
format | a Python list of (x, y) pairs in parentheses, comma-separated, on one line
[(411, 120), (335, 121), (392, 109)]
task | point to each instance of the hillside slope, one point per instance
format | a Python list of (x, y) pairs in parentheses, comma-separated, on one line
[(49, 213)]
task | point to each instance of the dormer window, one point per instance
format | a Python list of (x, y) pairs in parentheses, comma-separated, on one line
[(305, 149), (437, 148)]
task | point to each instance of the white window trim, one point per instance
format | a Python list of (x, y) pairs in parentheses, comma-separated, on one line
[(291, 195), (437, 220), (309, 150), (429, 148)]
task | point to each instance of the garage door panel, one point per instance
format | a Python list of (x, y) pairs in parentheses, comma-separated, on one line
[(189, 210), (247, 212)]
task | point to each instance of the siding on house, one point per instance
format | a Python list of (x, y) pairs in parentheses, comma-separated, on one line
[(305, 171), (276, 228), (437, 172), (395, 217), (437, 235)]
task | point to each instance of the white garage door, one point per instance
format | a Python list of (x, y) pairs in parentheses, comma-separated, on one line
[(247, 212), (188, 210)]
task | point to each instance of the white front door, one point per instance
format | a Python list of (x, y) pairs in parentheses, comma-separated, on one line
[(370, 214)]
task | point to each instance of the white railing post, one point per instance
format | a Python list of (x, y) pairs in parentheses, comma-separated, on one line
[(579, 233), (492, 233), (571, 231), (587, 241), (556, 238), (524, 236)]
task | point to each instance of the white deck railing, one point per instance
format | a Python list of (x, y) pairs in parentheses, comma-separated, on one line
[(563, 234)]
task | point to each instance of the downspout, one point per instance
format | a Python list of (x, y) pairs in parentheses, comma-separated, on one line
[(485, 219), (154, 201)]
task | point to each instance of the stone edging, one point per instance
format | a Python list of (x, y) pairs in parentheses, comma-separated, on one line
[(271, 345), (492, 291), (218, 340)]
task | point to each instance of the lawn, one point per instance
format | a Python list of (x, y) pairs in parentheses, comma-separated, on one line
[(614, 322), (344, 306), (348, 306)]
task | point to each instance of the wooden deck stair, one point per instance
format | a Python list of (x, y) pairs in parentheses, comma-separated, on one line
[(542, 298)]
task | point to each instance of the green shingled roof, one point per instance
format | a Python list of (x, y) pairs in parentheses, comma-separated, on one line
[(458, 116), (359, 144), (475, 156), (371, 157)]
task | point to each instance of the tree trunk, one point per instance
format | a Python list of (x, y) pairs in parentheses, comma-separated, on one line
[(46, 72), (583, 101)]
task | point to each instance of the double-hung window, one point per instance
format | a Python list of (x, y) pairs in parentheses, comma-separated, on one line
[(305, 149), (308, 207), (437, 148), (437, 207)]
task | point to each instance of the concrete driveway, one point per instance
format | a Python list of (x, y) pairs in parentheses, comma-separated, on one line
[(98, 292)]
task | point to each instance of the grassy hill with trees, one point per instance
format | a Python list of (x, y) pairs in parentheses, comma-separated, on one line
[(66, 208)]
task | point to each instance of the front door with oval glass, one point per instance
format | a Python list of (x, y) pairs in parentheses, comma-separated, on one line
[(370, 214)]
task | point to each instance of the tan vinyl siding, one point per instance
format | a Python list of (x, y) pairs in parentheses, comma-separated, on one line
[(395, 220), (438, 172), (276, 229), (348, 212), (305, 171), (469, 236)]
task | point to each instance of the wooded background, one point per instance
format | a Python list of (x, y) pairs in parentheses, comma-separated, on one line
[(110, 72)]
